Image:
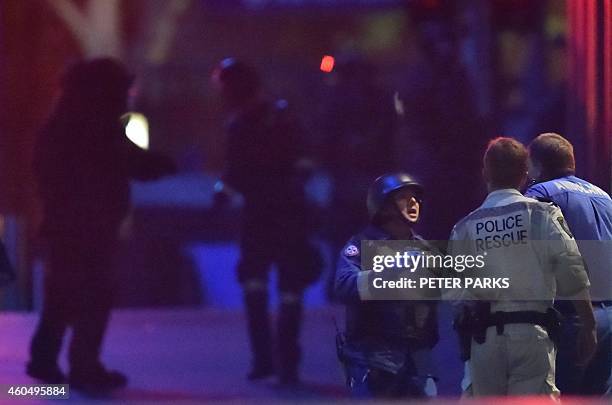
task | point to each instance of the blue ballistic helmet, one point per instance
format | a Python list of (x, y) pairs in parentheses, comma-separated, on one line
[(386, 185)]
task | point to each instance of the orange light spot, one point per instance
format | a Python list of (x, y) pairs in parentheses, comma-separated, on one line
[(327, 63)]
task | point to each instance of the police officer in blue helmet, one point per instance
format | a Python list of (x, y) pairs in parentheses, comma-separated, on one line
[(382, 337)]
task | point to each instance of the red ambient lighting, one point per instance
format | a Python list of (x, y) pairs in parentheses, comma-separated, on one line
[(327, 63)]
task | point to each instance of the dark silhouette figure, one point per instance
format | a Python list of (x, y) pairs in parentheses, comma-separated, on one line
[(83, 164), (442, 135), (262, 159), (358, 125)]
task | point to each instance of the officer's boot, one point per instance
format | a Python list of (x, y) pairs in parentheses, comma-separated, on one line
[(256, 302), (289, 320)]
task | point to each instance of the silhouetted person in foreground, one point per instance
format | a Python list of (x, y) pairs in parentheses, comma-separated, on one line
[(83, 165), (262, 160)]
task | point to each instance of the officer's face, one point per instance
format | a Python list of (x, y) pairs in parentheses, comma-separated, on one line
[(408, 205)]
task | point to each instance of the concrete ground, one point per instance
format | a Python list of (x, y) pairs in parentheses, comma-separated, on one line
[(201, 355), (186, 355)]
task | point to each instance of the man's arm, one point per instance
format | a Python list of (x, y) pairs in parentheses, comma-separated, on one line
[(536, 191), (572, 281), (587, 335)]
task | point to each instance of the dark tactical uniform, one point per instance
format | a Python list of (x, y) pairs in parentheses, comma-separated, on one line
[(263, 149), (381, 335), (83, 166)]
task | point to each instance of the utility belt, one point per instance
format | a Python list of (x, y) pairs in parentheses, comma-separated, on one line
[(472, 324), (602, 304), (550, 321)]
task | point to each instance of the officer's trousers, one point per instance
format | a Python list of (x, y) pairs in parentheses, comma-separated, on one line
[(78, 294), (596, 378), (520, 361), (276, 236)]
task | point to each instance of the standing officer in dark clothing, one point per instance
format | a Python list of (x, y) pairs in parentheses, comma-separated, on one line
[(83, 165), (262, 164), (386, 333)]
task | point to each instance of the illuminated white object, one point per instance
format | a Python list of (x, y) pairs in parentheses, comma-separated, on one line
[(137, 130)]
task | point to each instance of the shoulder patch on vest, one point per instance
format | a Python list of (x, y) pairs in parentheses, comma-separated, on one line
[(351, 250)]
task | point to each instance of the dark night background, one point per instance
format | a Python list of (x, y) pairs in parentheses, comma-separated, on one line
[(466, 71)]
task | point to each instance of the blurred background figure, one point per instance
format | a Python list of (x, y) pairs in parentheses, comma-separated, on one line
[(83, 164), (442, 137), (357, 134), (262, 164)]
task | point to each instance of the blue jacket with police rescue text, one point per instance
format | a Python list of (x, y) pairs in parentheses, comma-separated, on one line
[(588, 212)]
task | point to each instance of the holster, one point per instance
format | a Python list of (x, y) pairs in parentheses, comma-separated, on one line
[(478, 321), (554, 321), (462, 326)]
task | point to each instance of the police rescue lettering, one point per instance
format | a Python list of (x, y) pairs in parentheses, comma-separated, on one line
[(502, 231), (586, 188)]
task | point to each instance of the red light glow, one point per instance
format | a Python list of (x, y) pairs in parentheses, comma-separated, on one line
[(327, 63)]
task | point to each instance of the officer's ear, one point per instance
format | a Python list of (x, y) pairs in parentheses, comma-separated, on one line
[(485, 175), (534, 168), (524, 181)]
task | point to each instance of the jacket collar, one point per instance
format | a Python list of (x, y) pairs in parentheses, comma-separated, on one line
[(374, 232), (508, 195)]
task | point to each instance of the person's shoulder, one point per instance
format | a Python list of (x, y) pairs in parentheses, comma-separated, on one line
[(353, 246), (543, 209), (590, 188), (567, 185), (538, 190), (471, 215)]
